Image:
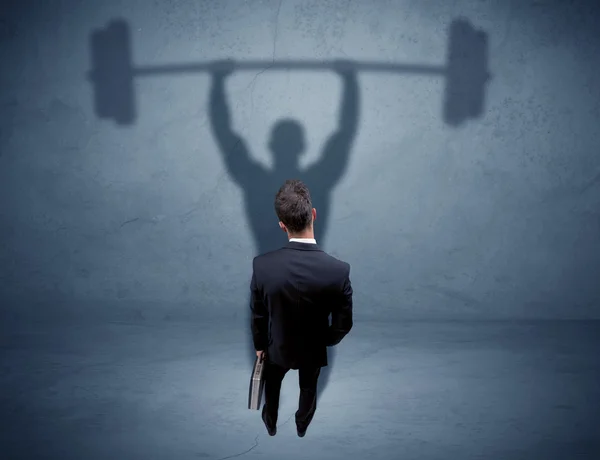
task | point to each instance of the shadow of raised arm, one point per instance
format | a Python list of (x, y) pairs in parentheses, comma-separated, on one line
[(242, 168), (334, 159)]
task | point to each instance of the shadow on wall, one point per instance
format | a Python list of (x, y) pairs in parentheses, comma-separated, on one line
[(112, 77), (465, 72)]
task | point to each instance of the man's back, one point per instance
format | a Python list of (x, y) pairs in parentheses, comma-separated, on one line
[(299, 286)]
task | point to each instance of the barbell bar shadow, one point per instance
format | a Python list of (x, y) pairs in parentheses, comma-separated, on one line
[(357, 66), (113, 72)]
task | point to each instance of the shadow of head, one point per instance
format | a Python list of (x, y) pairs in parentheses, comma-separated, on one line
[(287, 144)]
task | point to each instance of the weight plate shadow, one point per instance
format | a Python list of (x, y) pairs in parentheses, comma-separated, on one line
[(114, 95)]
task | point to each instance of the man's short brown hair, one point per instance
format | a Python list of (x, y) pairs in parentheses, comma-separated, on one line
[(293, 205)]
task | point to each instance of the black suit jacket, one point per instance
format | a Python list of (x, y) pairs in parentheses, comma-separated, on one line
[(294, 291)]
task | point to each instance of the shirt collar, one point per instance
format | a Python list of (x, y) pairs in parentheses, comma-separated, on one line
[(303, 240)]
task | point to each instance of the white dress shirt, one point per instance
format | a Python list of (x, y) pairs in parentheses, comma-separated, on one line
[(303, 240)]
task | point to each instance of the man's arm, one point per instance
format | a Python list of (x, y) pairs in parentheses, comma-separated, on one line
[(334, 158), (237, 158), (260, 314), (341, 314)]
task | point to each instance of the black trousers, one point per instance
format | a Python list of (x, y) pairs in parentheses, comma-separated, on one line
[(307, 403)]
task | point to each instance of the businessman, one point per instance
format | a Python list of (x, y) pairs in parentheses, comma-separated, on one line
[(294, 291)]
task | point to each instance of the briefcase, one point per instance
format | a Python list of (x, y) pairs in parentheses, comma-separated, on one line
[(257, 383)]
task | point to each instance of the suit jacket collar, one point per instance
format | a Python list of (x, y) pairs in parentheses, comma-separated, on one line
[(302, 246)]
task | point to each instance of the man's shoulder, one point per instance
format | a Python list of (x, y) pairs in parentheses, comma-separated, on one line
[(281, 253), (268, 255), (336, 262)]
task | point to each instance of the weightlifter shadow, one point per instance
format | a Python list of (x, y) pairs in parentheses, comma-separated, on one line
[(287, 145)]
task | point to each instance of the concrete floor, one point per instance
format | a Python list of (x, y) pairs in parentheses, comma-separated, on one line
[(416, 390)]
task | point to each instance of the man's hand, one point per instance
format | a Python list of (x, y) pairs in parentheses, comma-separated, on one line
[(222, 68), (260, 354), (344, 67)]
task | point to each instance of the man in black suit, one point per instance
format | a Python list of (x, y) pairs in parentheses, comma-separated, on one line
[(294, 291)]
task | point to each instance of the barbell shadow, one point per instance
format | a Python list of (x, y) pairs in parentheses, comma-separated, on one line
[(113, 71)]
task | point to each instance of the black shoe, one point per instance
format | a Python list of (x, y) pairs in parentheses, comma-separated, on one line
[(301, 433), (271, 430)]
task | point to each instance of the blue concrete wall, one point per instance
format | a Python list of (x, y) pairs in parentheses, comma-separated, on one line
[(498, 217)]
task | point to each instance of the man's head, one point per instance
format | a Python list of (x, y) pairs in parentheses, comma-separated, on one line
[(287, 143), (293, 207)]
